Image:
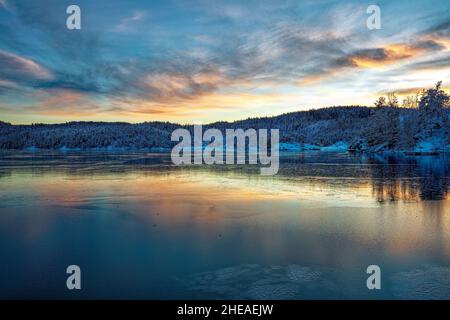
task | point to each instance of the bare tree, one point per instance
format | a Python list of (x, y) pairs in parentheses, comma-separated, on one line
[(392, 100), (381, 102)]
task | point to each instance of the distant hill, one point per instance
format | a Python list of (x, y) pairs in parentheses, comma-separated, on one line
[(360, 128)]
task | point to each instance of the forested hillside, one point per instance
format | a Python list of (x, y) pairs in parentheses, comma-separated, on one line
[(387, 126)]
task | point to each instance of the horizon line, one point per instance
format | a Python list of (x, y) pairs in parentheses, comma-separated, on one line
[(187, 124)]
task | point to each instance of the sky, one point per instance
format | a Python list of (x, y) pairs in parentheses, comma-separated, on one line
[(200, 61)]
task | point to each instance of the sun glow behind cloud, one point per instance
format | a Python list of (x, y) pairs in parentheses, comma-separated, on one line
[(203, 62)]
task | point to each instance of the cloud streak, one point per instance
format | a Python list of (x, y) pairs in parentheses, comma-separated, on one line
[(20, 69), (126, 23)]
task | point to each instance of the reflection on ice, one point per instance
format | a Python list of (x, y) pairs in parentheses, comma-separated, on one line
[(308, 232), (392, 177), (410, 178)]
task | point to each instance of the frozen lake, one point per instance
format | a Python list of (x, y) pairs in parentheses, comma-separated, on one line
[(139, 227)]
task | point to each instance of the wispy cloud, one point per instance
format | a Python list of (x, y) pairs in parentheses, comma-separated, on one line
[(17, 68), (127, 23)]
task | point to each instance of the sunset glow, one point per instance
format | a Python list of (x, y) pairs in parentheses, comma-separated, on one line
[(199, 62)]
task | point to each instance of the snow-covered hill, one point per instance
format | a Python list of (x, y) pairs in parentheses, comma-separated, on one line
[(422, 128)]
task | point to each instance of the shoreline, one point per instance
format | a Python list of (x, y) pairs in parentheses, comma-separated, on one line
[(164, 150)]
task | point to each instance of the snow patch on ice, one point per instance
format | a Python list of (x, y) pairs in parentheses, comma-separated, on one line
[(339, 146), (427, 283), (251, 281), (430, 145)]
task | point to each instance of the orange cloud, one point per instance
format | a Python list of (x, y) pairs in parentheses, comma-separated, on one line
[(411, 91), (172, 87), (316, 78), (375, 58), (182, 108), (393, 54), (62, 102), (389, 54)]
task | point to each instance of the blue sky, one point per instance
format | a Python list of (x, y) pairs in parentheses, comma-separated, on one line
[(205, 60)]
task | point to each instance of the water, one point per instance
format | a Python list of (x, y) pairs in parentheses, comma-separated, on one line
[(141, 228)]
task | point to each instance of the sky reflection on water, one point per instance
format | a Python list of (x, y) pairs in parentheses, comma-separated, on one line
[(140, 228)]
